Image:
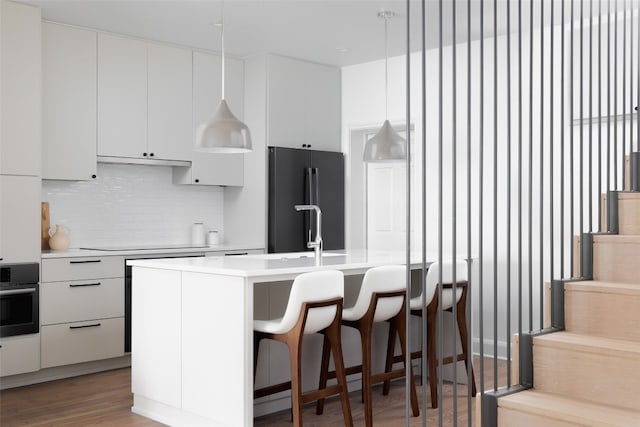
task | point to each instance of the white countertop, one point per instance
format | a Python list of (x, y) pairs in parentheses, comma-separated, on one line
[(168, 249), (277, 264)]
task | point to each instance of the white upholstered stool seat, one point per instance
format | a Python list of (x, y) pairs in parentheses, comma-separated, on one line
[(314, 305), (432, 292), (381, 298)]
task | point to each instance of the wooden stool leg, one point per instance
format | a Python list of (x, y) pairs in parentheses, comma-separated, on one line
[(462, 328), (324, 372), (388, 365), (402, 330), (365, 338), (296, 380), (333, 335), (256, 346), (432, 361)]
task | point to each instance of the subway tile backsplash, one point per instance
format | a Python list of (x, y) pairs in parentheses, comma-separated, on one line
[(132, 205)]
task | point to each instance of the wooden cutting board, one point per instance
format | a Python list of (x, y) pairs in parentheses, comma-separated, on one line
[(46, 225)]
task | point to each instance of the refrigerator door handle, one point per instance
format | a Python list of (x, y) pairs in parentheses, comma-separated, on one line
[(309, 201), (316, 186)]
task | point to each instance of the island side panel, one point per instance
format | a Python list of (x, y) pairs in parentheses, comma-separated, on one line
[(156, 336), (217, 348)]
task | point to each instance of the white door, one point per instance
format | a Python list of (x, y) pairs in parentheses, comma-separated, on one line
[(386, 204)]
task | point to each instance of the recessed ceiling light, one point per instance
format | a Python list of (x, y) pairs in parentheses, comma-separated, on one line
[(342, 49)]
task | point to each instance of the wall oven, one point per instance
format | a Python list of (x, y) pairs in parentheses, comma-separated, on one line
[(19, 299)]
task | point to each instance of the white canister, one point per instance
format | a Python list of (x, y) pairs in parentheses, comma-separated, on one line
[(197, 234), (213, 238)]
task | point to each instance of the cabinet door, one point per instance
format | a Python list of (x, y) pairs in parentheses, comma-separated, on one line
[(19, 218), (322, 107), (286, 102), (122, 97), (208, 168), (21, 88), (169, 103), (69, 102)]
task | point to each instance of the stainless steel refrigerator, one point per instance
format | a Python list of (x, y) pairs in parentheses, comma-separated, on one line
[(298, 176)]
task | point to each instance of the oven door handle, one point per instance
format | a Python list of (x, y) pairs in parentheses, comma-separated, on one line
[(17, 291)]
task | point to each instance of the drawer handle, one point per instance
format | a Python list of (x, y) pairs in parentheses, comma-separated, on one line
[(93, 325), (18, 291), (82, 285), (237, 253), (86, 261)]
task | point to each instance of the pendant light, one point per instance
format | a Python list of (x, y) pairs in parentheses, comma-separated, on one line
[(386, 145), (223, 132)]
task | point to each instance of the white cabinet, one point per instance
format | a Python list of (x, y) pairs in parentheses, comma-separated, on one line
[(144, 99), (81, 309), (21, 88), (69, 102), (303, 104), (122, 97), (19, 354), (169, 103), (208, 168), (19, 218)]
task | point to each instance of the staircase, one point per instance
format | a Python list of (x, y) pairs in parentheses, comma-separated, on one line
[(589, 373)]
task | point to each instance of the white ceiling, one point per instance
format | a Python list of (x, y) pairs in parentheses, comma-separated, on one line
[(310, 29)]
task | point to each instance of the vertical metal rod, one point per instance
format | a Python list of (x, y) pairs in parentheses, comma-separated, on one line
[(615, 97), (520, 187), (624, 93), (481, 207), (454, 210), (423, 271), (541, 170), (630, 82), (581, 146), (608, 95), (439, 337), (469, 243), (508, 281), (530, 192), (407, 361), (590, 165), (495, 195), (600, 217), (571, 147), (551, 145), (562, 147)]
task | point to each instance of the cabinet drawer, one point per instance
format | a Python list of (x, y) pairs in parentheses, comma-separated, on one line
[(19, 354), (78, 300), (79, 342), (81, 268)]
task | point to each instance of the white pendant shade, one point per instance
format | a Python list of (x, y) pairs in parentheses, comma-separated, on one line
[(223, 133), (385, 146)]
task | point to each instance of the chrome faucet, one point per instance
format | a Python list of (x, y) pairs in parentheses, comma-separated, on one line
[(317, 243)]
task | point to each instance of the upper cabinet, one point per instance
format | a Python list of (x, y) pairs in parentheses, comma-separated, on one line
[(144, 99), (122, 97), (303, 104), (208, 168), (21, 88), (68, 102)]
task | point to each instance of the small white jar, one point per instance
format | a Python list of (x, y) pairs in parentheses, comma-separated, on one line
[(197, 234), (213, 238)]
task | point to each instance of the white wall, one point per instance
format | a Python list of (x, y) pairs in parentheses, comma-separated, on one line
[(132, 205)]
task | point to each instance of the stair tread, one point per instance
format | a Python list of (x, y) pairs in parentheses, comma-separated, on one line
[(628, 195), (568, 409), (604, 287), (589, 343), (616, 238)]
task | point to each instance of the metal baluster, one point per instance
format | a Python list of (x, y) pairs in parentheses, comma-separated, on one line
[(495, 195), (508, 193), (454, 211), (469, 287), (541, 168), (481, 205), (531, 167), (440, 334)]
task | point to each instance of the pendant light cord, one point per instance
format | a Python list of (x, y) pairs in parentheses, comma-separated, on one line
[(386, 65), (222, 42)]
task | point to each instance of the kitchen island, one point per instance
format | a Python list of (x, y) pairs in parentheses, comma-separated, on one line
[(192, 332)]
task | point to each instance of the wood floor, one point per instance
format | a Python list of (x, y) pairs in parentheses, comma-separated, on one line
[(105, 399)]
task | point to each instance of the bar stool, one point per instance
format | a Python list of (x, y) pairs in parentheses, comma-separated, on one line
[(315, 305), (381, 298), (432, 295)]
